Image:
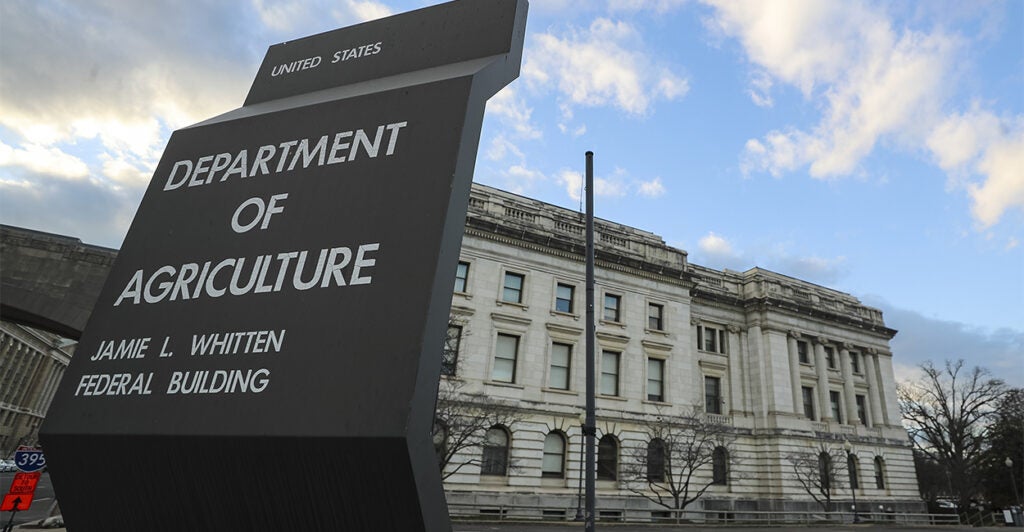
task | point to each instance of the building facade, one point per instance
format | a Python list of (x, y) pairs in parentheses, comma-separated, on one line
[(32, 363), (787, 367)]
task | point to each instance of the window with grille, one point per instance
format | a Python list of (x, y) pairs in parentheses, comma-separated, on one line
[(561, 356), (512, 290), (461, 277), (505, 354)]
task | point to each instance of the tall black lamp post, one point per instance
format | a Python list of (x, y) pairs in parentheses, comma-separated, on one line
[(854, 477)]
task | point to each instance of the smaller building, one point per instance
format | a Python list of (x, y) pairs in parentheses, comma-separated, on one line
[(32, 363)]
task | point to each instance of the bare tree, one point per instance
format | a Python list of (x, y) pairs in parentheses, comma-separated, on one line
[(681, 458), (948, 413), (820, 470), (461, 418)]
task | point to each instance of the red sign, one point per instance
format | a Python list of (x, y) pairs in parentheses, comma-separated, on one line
[(9, 505), (24, 483), (23, 488)]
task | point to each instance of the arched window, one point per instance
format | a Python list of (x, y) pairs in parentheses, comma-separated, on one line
[(607, 458), (495, 457), (880, 472), (720, 466), (853, 465), (656, 460), (553, 464), (825, 470)]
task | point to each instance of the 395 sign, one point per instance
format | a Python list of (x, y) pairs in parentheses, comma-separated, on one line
[(29, 460)]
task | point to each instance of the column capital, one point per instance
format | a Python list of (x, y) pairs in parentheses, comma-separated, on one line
[(733, 329), (821, 340), (793, 334), (694, 320), (846, 345)]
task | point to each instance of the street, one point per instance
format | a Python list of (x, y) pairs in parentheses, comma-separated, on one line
[(40, 503)]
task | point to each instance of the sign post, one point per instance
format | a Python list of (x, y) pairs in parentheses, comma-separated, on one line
[(267, 347)]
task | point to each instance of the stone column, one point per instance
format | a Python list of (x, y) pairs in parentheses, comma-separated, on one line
[(794, 372), (848, 389), (737, 401), (825, 410), (870, 360), (756, 351)]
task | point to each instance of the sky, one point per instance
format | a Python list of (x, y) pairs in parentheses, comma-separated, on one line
[(876, 148)]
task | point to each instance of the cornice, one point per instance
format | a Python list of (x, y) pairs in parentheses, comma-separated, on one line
[(552, 244)]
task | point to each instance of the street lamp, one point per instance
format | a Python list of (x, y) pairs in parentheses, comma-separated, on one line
[(853, 476), (1013, 480)]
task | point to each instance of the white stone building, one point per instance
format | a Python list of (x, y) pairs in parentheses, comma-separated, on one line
[(788, 365), (31, 365)]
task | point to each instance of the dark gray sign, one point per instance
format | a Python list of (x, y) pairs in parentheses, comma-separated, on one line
[(266, 350)]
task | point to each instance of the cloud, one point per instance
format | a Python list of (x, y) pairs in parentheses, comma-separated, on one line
[(112, 80), (922, 338), (1003, 164), (819, 270), (656, 6), (875, 84), (715, 245), (651, 189), (717, 251), (614, 186), (36, 159), (603, 65), (500, 147), (284, 16), (761, 86), (977, 142), (513, 113), (102, 213)]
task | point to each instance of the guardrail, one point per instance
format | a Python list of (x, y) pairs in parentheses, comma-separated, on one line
[(524, 512)]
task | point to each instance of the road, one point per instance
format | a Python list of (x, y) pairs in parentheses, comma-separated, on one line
[(40, 503)]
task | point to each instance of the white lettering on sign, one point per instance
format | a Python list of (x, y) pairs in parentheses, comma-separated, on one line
[(296, 66), (234, 343), (115, 384), (284, 156), (218, 381), (357, 52), (267, 273), (121, 349)]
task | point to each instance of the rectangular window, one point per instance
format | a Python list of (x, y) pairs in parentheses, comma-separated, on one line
[(655, 317), (711, 339), (855, 361), (830, 357), (713, 395), (837, 409), (512, 291), (450, 354), (461, 276), (609, 373), (655, 379), (612, 307), (862, 410), (808, 395), (505, 354), (561, 355), (802, 352), (563, 297)]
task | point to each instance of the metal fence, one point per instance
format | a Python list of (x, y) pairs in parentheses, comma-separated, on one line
[(623, 514)]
